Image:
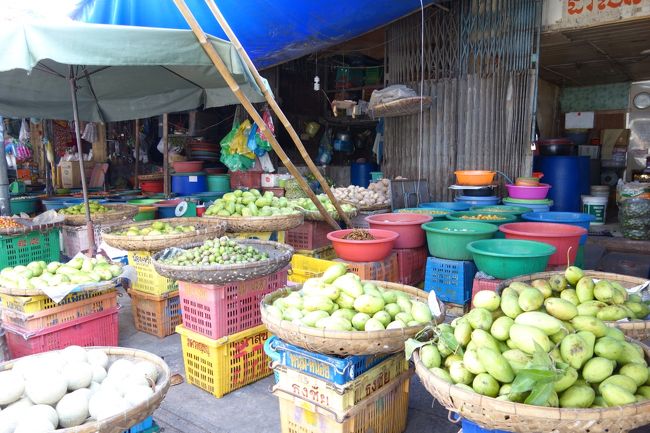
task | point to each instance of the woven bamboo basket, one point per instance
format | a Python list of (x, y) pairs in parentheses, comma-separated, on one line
[(401, 107), (493, 414), (316, 215), (205, 229), (279, 257), (154, 176), (368, 208), (27, 226), (116, 212), (260, 223), (344, 343), (86, 287), (637, 329), (124, 421)]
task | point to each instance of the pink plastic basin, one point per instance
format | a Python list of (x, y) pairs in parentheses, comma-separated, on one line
[(528, 192), (363, 251), (408, 225), (563, 237)]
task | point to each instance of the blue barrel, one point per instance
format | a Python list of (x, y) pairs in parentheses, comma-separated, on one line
[(360, 173), (585, 175), (563, 174), (189, 183), (573, 218), (457, 206)]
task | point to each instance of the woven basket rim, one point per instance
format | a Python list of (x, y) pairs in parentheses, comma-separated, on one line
[(26, 228), (118, 211), (259, 223), (401, 107)]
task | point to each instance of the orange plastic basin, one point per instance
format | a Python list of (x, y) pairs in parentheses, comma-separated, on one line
[(474, 177), (363, 251), (563, 237), (408, 225)]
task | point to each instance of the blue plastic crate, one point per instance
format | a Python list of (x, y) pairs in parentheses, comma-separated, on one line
[(451, 279), (331, 368), (142, 427), (470, 427)]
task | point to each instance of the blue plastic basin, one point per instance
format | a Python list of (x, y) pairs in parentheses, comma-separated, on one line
[(457, 206), (573, 218)]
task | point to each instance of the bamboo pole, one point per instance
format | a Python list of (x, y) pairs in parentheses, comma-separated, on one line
[(136, 182), (165, 136), (234, 87), (275, 107)]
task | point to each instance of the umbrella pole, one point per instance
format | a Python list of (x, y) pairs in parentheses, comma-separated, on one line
[(136, 182), (84, 187), (234, 87), (276, 108), (165, 137)]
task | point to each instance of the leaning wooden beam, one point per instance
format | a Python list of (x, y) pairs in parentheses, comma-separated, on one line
[(136, 181), (165, 137), (234, 87), (275, 107)]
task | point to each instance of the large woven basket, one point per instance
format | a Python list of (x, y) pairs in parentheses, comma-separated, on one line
[(279, 257), (260, 223), (401, 107), (86, 287), (27, 226), (124, 421), (637, 329), (344, 343), (493, 414), (317, 216), (205, 229), (116, 212), (368, 208)]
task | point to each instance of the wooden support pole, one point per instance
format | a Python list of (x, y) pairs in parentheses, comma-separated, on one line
[(276, 108), (165, 136), (136, 182), (234, 87)]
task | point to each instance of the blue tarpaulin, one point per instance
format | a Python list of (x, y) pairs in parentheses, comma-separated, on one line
[(271, 31)]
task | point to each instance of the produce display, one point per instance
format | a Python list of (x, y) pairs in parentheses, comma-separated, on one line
[(80, 209), (157, 228), (377, 194), (306, 204), (69, 387), (77, 271), (544, 344), (359, 235), (9, 223), (340, 301), (222, 251), (482, 217), (250, 203)]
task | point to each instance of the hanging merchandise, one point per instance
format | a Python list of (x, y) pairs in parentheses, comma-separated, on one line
[(23, 136), (234, 150), (325, 148), (90, 132), (255, 142)]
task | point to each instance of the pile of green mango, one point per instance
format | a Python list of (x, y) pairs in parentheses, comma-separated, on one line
[(250, 203), (77, 271), (340, 301), (543, 344), (80, 209), (308, 205), (156, 229)]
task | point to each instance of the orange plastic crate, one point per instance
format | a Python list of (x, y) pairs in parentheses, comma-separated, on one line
[(156, 315), (386, 270)]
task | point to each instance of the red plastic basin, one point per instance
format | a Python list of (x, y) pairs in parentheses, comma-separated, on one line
[(528, 192), (563, 237), (363, 251), (408, 225), (187, 166)]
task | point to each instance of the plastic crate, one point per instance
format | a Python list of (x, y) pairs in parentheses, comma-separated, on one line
[(411, 264), (34, 304), (156, 315), (456, 310), (310, 235), (30, 247), (34, 322), (334, 369), (142, 427), (451, 279), (384, 412), (149, 281), (386, 270), (75, 238), (278, 236), (484, 284), (470, 427), (340, 398), (245, 179), (99, 329), (304, 267), (217, 310), (224, 365), (324, 253)]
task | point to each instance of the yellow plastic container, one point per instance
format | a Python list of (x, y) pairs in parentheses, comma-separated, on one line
[(34, 304), (324, 253), (304, 267), (149, 281), (224, 365)]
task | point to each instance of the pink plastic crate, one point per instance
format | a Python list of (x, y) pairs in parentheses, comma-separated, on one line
[(99, 329), (310, 235), (484, 284), (411, 263), (218, 310)]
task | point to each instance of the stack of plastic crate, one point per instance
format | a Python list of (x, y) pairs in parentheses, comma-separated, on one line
[(452, 282), (310, 239)]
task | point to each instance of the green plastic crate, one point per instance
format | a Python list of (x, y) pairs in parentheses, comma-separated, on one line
[(29, 247)]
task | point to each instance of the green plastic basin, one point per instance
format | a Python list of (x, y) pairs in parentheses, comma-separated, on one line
[(506, 218), (145, 213), (143, 201), (27, 205), (435, 213), (517, 211), (509, 258), (449, 239)]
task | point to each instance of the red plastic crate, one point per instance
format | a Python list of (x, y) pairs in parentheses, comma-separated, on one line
[(386, 270), (99, 329), (484, 284), (311, 235), (218, 310), (411, 264), (245, 179)]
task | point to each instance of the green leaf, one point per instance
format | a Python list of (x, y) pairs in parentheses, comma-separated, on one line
[(540, 394), (411, 345), (450, 340), (527, 379), (541, 359)]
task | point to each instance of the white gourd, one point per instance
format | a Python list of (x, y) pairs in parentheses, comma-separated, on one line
[(120, 369), (99, 373), (12, 386), (72, 410), (75, 354), (149, 370), (47, 388), (98, 357), (78, 375), (34, 425), (43, 411), (137, 394)]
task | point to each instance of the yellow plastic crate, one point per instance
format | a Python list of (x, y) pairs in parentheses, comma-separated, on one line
[(149, 281), (324, 253), (340, 398), (308, 267), (34, 304), (224, 365), (384, 412), (262, 236)]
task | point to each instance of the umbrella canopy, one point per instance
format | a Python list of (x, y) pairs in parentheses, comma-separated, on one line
[(121, 72)]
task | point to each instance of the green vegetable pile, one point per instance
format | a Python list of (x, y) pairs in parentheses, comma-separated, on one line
[(80, 209), (340, 301), (77, 271), (542, 344), (309, 206), (222, 251), (156, 229), (250, 204)]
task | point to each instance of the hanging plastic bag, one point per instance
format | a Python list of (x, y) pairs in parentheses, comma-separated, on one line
[(23, 136), (325, 148)]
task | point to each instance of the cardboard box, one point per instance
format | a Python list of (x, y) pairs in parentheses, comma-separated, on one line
[(70, 173)]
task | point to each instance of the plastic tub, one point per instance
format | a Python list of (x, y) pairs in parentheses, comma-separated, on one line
[(187, 166), (219, 182), (528, 192), (449, 239), (436, 214), (24, 204), (599, 190), (189, 183), (534, 205), (477, 201), (457, 206), (474, 177), (573, 218), (407, 225), (54, 203), (154, 186), (596, 206), (508, 258), (564, 237), (517, 211), (473, 216), (145, 213), (363, 251)]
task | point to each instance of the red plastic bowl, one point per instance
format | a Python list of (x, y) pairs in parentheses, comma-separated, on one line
[(188, 166), (408, 225), (152, 185), (528, 192), (363, 251), (563, 237)]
